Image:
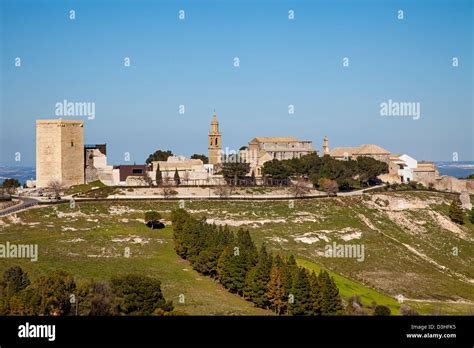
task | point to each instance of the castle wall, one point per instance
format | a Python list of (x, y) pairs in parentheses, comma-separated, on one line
[(425, 177), (451, 184)]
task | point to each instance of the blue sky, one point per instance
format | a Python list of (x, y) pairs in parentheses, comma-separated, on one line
[(282, 62)]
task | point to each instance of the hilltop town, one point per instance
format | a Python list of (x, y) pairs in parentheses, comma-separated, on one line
[(62, 159), (366, 216)]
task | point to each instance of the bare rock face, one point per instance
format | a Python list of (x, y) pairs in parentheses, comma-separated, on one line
[(465, 200)]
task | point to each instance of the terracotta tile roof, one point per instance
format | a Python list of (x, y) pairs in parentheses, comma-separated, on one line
[(425, 167), (276, 139), (371, 149), (366, 149), (342, 151)]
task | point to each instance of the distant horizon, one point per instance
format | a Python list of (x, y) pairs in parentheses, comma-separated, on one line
[(28, 171), (150, 76), (32, 166)]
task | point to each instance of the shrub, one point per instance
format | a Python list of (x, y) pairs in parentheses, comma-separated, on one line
[(139, 295), (407, 311), (152, 215), (455, 212), (382, 310)]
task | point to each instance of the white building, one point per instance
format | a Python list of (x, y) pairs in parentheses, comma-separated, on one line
[(190, 171), (406, 165)]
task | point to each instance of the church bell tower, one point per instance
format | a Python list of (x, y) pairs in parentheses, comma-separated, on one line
[(214, 144)]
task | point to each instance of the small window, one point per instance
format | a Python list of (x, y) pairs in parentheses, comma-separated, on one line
[(137, 171), (72, 143)]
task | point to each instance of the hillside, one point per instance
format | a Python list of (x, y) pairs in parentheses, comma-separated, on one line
[(407, 237), (90, 244)]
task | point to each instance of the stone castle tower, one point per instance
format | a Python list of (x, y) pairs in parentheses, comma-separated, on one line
[(215, 142), (325, 146), (59, 152)]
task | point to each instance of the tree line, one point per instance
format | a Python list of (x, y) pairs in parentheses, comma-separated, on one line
[(9, 187), (161, 155), (347, 174), (269, 281), (57, 293)]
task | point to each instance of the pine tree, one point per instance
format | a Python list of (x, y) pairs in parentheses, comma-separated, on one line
[(179, 219), (276, 291), (456, 213), (213, 241), (177, 179), (224, 264), (288, 269), (300, 302), (316, 295), (232, 269), (158, 177), (15, 280), (331, 302), (249, 283), (257, 279), (239, 259), (247, 248)]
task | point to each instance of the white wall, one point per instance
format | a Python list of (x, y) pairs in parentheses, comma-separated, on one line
[(407, 171)]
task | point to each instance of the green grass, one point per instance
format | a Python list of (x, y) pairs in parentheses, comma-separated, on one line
[(389, 267), (98, 257), (76, 189), (348, 288)]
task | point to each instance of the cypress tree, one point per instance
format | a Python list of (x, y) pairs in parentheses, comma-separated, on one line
[(158, 177), (288, 270), (276, 291), (247, 248), (301, 294), (249, 282), (243, 259), (316, 296), (471, 215), (455, 212), (213, 240), (179, 219), (331, 302), (232, 269), (177, 179), (224, 267), (257, 279)]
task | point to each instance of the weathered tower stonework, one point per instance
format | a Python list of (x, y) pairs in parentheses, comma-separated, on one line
[(326, 146), (59, 152), (215, 142)]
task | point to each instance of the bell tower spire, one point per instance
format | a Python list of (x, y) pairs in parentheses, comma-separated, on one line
[(214, 144)]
